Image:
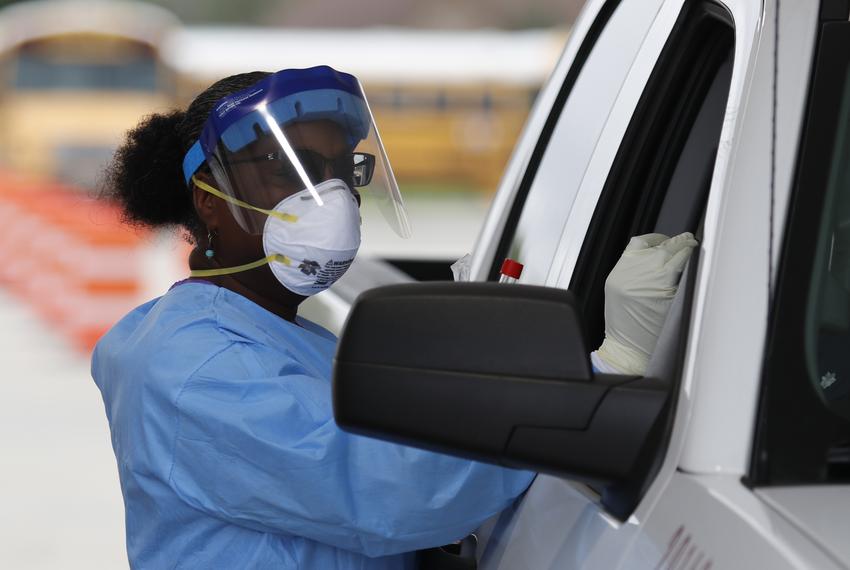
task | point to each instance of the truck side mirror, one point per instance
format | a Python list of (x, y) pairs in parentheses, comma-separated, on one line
[(491, 372)]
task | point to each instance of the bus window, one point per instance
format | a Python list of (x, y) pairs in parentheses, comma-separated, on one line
[(51, 65)]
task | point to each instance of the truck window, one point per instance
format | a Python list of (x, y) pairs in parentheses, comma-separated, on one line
[(827, 327), (578, 117), (803, 431), (660, 177), (659, 182)]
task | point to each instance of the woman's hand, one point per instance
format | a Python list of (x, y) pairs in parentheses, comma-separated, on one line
[(638, 294)]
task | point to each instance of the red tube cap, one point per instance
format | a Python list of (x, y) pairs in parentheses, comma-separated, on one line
[(511, 268)]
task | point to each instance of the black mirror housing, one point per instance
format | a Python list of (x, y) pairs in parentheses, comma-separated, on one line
[(494, 372)]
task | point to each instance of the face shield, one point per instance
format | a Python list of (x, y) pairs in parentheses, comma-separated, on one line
[(287, 134)]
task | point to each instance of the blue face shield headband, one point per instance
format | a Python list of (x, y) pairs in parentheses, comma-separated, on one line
[(289, 132)]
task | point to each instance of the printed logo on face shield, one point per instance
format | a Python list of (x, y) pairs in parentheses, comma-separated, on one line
[(308, 267), (231, 104)]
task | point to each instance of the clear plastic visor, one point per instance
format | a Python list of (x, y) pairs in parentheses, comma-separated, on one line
[(267, 156)]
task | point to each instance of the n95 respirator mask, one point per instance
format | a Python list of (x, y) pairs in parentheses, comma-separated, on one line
[(310, 238), (320, 245)]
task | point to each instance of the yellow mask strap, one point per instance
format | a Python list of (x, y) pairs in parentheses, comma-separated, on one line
[(238, 268), (216, 192)]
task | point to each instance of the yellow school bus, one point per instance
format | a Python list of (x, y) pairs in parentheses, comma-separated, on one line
[(449, 104), (74, 76)]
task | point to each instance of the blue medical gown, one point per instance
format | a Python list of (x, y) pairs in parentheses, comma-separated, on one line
[(229, 457)]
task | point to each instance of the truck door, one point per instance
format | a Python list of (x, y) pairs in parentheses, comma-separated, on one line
[(650, 168), (763, 483)]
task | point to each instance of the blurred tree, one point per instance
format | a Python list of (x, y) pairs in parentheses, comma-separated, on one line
[(507, 14), (433, 14), (220, 11)]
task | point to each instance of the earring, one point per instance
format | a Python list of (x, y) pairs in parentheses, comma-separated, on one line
[(210, 252)]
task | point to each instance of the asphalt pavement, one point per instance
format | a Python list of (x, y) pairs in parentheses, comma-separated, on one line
[(61, 501)]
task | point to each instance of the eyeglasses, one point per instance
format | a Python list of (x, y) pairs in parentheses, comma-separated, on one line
[(356, 168)]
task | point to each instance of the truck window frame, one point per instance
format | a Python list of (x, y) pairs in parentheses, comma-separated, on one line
[(527, 181), (701, 42), (798, 440), (639, 177)]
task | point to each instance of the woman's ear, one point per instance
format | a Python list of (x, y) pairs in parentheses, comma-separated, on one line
[(206, 204)]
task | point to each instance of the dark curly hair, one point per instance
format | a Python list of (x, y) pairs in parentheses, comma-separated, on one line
[(145, 176)]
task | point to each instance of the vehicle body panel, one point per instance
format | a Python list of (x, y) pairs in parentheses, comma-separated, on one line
[(819, 512), (559, 524), (698, 511), (726, 523), (722, 377)]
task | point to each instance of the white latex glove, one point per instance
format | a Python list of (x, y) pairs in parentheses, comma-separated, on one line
[(638, 294), (461, 267)]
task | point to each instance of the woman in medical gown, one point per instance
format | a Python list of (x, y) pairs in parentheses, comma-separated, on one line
[(218, 395)]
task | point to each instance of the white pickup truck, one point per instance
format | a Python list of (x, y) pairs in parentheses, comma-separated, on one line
[(726, 118)]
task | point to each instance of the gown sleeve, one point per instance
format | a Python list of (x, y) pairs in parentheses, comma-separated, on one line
[(265, 453)]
